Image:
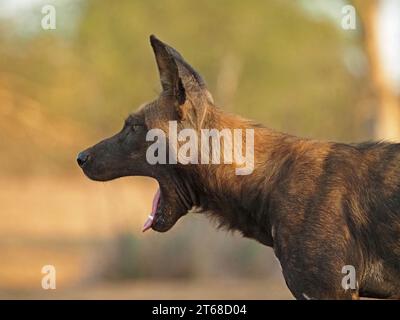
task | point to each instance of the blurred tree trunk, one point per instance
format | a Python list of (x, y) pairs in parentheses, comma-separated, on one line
[(387, 124)]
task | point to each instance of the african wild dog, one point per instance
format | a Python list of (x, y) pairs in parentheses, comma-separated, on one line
[(319, 205)]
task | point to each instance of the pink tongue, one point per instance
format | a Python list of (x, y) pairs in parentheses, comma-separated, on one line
[(150, 219)]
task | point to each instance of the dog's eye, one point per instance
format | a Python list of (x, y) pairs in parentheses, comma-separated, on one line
[(136, 126)]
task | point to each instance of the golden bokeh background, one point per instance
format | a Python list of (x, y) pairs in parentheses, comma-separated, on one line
[(287, 64)]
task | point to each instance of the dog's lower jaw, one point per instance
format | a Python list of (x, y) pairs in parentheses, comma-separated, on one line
[(163, 222), (173, 204), (161, 227), (178, 197)]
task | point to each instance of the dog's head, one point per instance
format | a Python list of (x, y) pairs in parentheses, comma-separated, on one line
[(184, 99)]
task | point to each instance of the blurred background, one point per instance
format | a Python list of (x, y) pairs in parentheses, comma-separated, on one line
[(295, 66)]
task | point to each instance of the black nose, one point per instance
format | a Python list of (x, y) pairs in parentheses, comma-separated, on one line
[(82, 158)]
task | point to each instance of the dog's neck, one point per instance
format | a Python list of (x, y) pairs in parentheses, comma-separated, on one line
[(240, 202)]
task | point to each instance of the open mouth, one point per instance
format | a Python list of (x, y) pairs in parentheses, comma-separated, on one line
[(166, 209), (152, 215)]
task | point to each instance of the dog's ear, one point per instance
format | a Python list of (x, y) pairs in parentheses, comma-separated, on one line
[(176, 75), (171, 81)]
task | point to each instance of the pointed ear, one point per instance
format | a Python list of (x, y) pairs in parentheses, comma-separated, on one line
[(175, 73), (171, 82)]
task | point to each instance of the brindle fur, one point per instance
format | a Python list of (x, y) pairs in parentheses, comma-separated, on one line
[(319, 205)]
